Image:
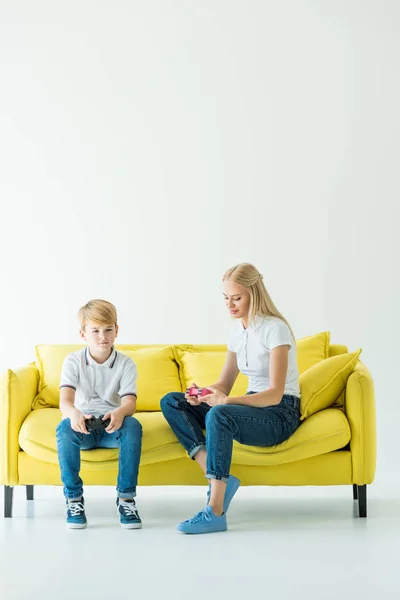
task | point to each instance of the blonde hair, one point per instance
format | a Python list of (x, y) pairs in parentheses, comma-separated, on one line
[(98, 311), (246, 275)]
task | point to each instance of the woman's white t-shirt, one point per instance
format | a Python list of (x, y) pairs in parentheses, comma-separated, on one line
[(253, 346)]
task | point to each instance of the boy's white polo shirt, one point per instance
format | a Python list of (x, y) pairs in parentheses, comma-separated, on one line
[(99, 387), (253, 346)]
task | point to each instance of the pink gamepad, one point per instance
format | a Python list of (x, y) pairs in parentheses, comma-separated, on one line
[(194, 391)]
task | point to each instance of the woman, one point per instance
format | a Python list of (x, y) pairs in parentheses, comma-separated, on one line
[(261, 345)]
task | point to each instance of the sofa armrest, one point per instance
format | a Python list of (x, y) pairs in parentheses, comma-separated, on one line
[(360, 411), (17, 392)]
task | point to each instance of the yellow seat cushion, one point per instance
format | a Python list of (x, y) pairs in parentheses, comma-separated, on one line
[(324, 432), (157, 373), (37, 437), (322, 384), (312, 350), (203, 367)]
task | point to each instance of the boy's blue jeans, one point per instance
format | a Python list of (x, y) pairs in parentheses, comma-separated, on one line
[(70, 443), (227, 422)]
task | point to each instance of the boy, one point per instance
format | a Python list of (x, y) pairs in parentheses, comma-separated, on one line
[(98, 381)]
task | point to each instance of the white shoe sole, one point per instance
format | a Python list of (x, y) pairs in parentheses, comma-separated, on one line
[(131, 525), (76, 525), (201, 532)]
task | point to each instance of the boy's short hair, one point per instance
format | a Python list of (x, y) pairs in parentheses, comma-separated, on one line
[(98, 311)]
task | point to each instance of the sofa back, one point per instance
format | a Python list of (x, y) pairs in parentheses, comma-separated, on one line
[(157, 369), (162, 369)]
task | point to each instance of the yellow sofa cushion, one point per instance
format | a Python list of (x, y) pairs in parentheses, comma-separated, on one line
[(324, 432), (312, 350), (49, 360), (157, 373), (37, 437), (335, 349), (203, 367), (322, 384), (202, 364)]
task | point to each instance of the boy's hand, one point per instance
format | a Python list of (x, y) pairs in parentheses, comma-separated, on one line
[(116, 420), (78, 422)]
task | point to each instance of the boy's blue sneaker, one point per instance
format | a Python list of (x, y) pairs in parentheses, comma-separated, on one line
[(128, 514), (204, 522), (231, 488), (75, 514)]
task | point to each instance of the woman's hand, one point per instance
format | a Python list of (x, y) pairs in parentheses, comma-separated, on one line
[(193, 400), (215, 398)]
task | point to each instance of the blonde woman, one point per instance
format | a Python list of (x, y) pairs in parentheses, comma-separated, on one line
[(261, 345)]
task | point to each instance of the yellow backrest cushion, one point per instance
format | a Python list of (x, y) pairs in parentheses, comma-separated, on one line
[(49, 360), (202, 364), (203, 367), (322, 384), (335, 349), (312, 350), (157, 373)]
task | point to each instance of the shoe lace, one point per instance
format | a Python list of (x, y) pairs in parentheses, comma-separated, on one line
[(128, 508), (203, 515), (75, 508)]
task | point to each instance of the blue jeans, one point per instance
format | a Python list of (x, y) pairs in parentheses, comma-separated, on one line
[(224, 423), (70, 443)]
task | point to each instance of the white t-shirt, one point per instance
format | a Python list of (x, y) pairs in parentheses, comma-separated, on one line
[(253, 346), (99, 388)]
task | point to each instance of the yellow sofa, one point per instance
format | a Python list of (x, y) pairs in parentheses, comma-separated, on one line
[(334, 446)]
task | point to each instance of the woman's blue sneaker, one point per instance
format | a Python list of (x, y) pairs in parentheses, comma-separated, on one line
[(75, 514), (204, 522), (231, 488), (128, 514)]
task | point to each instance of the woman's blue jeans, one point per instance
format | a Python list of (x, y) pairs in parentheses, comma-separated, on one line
[(70, 443), (224, 423)]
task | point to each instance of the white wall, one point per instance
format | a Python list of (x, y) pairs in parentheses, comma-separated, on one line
[(147, 146)]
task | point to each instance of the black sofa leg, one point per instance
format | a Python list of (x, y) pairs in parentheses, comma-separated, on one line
[(8, 500), (29, 492), (355, 492), (362, 500)]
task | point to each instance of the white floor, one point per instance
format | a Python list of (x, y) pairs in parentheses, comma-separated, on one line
[(281, 543)]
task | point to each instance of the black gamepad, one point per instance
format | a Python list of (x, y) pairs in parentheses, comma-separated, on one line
[(97, 423)]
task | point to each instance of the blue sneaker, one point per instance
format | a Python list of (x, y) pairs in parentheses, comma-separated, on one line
[(128, 514), (204, 522), (231, 488), (75, 514)]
